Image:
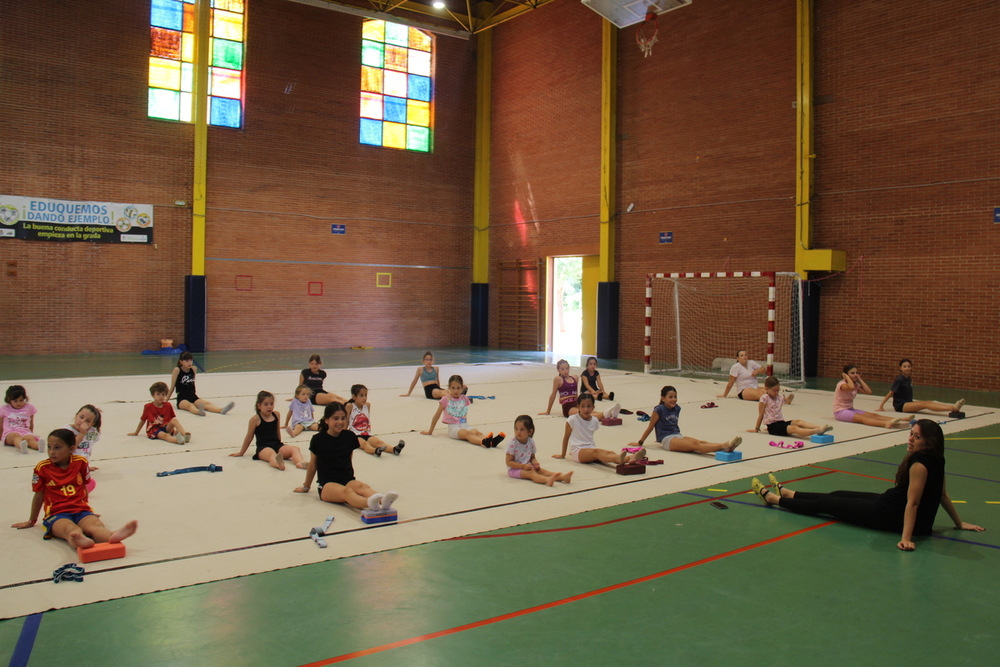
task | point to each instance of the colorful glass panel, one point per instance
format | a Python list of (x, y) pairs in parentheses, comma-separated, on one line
[(395, 58), (394, 83), (164, 73), (418, 113), (371, 132), (419, 62), (171, 63), (227, 54), (226, 83), (418, 138), (419, 40), (164, 104), (371, 106), (227, 25), (167, 14), (225, 112), (229, 5), (372, 53), (396, 86), (187, 77), (371, 80), (165, 43), (397, 34), (395, 109), (419, 87), (373, 30), (394, 135)]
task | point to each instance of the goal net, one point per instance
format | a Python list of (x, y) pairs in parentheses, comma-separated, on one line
[(697, 322)]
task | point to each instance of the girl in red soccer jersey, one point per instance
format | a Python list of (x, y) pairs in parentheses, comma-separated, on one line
[(60, 486)]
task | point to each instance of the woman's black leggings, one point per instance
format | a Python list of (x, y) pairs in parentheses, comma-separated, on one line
[(857, 507)]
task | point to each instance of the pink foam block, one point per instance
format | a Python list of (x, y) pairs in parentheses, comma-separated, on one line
[(611, 422), (102, 551)]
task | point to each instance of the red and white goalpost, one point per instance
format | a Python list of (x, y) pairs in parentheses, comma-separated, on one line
[(697, 322)]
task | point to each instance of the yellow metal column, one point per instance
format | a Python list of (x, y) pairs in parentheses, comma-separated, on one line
[(591, 268), (202, 51), (479, 333), (609, 76), (481, 178), (806, 258)]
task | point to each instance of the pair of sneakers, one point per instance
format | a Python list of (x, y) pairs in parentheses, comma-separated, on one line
[(382, 501), (395, 450), (493, 440)]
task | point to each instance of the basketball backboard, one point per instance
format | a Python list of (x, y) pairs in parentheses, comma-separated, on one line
[(624, 13)]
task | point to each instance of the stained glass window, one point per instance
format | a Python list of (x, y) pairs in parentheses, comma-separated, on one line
[(397, 109), (171, 61)]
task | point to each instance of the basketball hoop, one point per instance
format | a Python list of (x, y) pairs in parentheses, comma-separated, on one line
[(645, 36)]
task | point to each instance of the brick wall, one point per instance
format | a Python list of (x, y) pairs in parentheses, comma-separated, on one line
[(73, 77), (546, 160), (907, 145), (907, 176), (74, 110)]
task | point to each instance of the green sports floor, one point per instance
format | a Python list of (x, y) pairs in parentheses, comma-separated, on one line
[(666, 581)]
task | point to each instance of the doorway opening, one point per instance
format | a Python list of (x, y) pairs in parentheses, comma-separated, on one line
[(566, 316)]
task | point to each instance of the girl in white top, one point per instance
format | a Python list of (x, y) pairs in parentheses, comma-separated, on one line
[(300, 415), (360, 423), (579, 436), (521, 460), (86, 427), (744, 374)]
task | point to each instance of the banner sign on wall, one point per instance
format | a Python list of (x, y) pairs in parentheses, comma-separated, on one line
[(37, 219)]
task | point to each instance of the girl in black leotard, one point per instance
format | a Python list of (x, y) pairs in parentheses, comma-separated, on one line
[(909, 507), (264, 427), (182, 379)]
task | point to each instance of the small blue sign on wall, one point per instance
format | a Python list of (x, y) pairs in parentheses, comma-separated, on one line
[(666, 237), (338, 229), (996, 215)]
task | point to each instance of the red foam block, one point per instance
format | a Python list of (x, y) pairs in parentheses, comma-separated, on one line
[(630, 469), (611, 422), (101, 551)]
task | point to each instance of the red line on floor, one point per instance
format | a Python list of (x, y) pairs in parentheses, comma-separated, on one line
[(558, 603), (852, 473), (620, 519)]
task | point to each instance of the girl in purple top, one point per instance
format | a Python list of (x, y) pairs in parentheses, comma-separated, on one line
[(566, 386)]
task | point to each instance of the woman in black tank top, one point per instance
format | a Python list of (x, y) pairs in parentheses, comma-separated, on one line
[(908, 507)]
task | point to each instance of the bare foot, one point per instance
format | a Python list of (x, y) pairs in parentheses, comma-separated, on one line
[(549, 481), (896, 422), (125, 531), (278, 461), (302, 465), (791, 397), (958, 405), (565, 477), (80, 541)]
